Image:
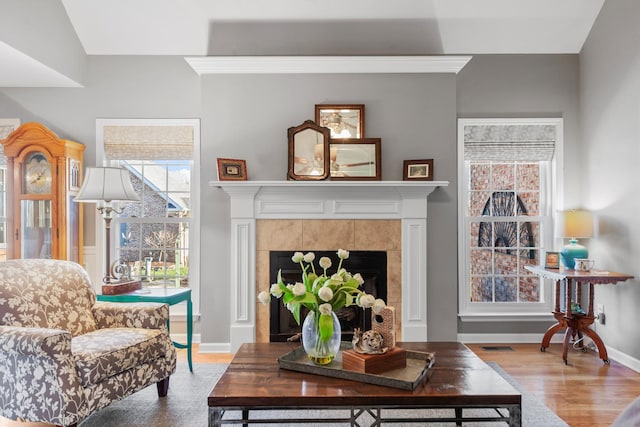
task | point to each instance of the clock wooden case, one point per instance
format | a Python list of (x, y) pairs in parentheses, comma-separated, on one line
[(44, 175)]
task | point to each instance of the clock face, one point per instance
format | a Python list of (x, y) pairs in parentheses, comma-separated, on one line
[(37, 174)]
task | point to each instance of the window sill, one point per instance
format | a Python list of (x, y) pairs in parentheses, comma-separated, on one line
[(506, 317)]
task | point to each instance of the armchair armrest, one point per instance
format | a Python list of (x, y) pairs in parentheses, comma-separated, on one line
[(36, 366), (39, 342), (148, 315)]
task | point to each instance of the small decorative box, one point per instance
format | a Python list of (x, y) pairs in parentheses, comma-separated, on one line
[(117, 288), (395, 358)]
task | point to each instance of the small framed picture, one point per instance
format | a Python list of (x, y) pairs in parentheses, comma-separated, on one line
[(232, 170), (418, 170), (552, 260), (344, 121)]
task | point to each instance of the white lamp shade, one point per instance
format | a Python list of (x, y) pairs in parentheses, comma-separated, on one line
[(106, 185), (575, 223)]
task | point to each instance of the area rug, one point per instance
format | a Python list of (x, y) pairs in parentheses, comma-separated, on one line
[(186, 405)]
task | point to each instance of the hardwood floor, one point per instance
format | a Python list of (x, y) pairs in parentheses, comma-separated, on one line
[(584, 393)]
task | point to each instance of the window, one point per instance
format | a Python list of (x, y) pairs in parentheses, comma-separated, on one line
[(3, 210), (6, 127), (153, 238), (507, 170)]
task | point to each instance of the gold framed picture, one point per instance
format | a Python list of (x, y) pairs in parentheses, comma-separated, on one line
[(232, 170), (343, 120), (355, 159)]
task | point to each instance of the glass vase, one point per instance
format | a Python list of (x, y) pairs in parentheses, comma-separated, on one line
[(321, 352)]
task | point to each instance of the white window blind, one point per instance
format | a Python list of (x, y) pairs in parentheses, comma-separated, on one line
[(148, 142), (526, 143)]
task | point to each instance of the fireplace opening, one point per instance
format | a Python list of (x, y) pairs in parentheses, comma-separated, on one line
[(372, 265)]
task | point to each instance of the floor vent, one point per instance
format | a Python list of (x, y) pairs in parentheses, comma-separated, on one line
[(497, 348)]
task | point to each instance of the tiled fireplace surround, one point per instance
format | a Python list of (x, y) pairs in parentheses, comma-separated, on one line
[(298, 215)]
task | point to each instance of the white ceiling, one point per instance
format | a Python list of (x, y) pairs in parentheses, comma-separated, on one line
[(185, 27)]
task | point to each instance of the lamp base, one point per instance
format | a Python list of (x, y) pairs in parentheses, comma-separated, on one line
[(570, 252)]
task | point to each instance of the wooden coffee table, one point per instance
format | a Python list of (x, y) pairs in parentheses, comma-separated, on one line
[(254, 382)]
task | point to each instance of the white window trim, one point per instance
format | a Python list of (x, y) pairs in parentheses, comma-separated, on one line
[(501, 312), (178, 310)]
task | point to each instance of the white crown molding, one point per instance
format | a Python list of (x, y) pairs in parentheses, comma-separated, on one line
[(326, 64)]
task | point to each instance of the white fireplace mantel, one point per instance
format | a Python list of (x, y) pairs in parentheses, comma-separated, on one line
[(403, 200)]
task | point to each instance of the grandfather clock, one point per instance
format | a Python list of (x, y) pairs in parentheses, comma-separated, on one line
[(43, 176)]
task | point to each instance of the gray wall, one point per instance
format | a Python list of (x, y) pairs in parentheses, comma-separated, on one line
[(415, 115), (610, 129), (247, 117), (524, 86)]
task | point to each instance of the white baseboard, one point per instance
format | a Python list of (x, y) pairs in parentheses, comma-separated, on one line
[(623, 359), (505, 338), (214, 348), (182, 337)]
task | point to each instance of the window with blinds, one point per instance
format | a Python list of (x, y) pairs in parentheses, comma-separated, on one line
[(505, 213), (153, 237)]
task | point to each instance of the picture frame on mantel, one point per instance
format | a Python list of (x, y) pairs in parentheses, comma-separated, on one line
[(308, 152), (355, 159), (418, 170), (232, 170), (343, 120)]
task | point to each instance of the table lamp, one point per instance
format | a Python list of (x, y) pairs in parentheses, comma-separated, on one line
[(104, 186), (574, 224)]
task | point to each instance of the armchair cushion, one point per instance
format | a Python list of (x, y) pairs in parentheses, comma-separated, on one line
[(106, 352)]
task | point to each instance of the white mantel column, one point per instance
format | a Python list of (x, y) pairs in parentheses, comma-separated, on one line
[(414, 264), (243, 266)]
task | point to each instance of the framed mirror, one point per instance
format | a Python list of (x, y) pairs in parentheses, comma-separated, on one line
[(355, 159), (343, 120), (308, 152)]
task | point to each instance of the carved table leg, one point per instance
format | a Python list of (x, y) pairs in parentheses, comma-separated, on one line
[(565, 344), (602, 350), (553, 329)]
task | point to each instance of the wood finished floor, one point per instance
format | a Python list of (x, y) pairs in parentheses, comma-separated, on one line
[(584, 393)]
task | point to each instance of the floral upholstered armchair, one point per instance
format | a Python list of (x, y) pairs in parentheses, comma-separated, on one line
[(63, 355)]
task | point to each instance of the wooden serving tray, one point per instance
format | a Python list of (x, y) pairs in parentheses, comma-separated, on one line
[(418, 368)]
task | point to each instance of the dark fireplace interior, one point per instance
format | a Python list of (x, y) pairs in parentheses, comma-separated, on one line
[(372, 265)]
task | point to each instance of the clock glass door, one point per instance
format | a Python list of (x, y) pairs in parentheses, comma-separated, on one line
[(37, 174), (36, 229)]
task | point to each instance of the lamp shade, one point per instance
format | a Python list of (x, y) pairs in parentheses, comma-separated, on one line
[(574, 224), (104, 184)]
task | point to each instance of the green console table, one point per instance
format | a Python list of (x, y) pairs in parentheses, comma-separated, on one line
[(169, 296)]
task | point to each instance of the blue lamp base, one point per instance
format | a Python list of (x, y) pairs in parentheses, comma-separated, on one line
[(570, 252)]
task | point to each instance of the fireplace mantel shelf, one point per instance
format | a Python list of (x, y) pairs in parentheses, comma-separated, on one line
[(230, 186), (307, 184)]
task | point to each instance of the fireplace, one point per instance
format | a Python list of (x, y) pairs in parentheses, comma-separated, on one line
[(355, 215), (372, 266)]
